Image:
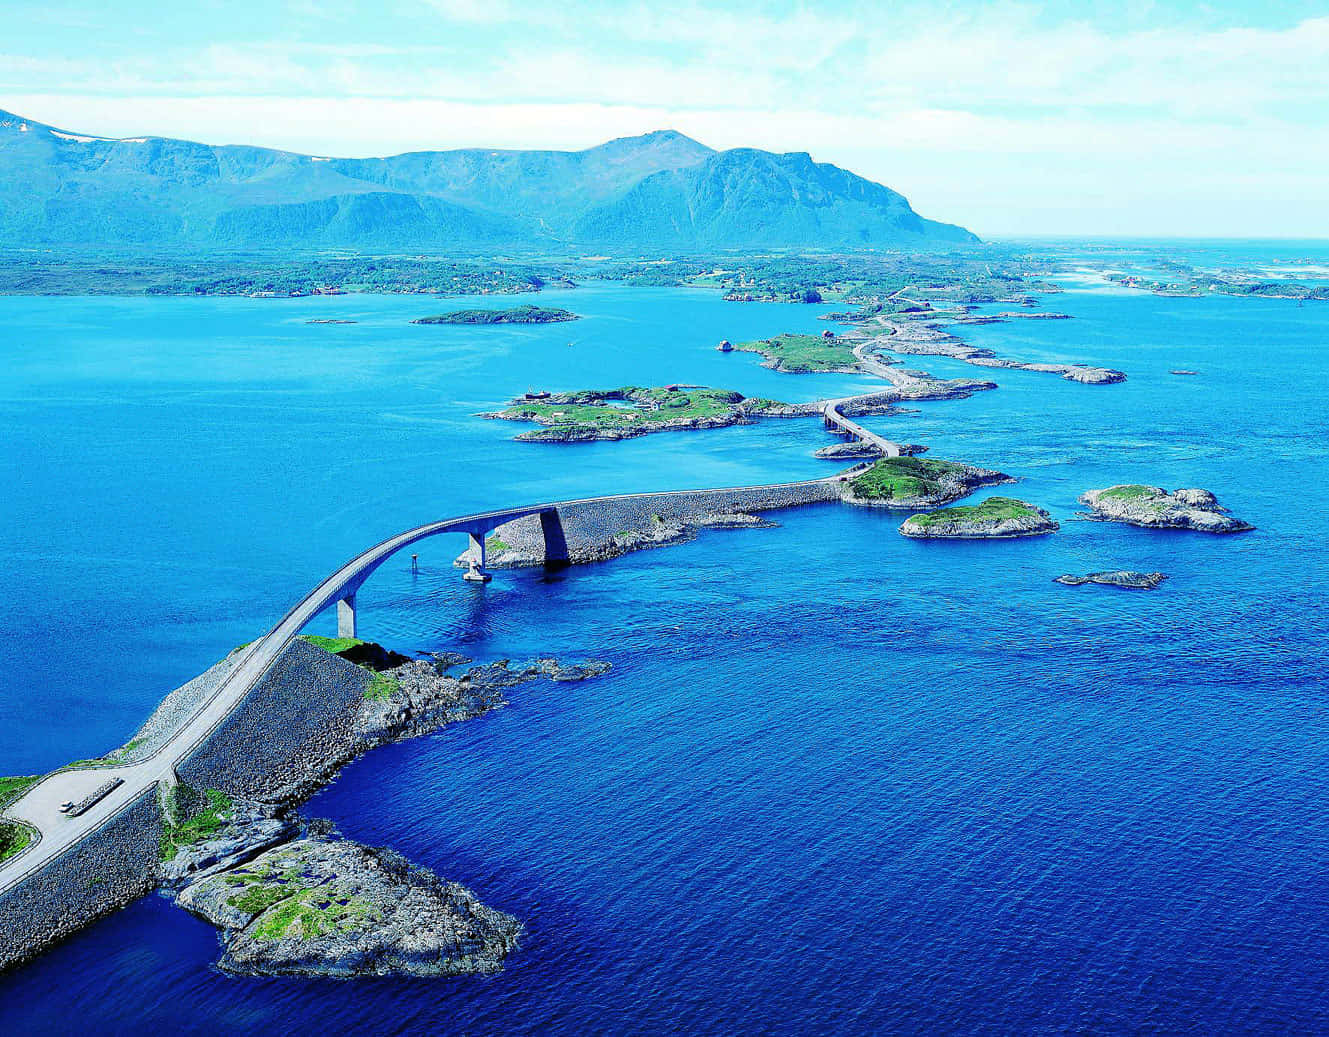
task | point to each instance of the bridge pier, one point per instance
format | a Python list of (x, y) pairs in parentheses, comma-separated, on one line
[(346, 616), (475, 572)]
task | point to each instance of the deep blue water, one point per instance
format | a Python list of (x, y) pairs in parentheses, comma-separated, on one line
[(837, 780)]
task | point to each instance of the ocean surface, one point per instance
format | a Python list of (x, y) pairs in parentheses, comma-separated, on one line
[(837, 780)]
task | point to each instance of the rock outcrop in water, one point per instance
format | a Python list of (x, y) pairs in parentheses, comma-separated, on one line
[(1116, 578), (996, 518), (1155, 508), (329, 907)]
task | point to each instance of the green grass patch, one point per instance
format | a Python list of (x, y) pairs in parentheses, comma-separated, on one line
[(12, 788), (1129, 492), (902, 478), (14, 838), (497, 544), (258, 897), (993, 509), (382, 687), (801, 354), (308, 913), (210, 818), (335, 645)]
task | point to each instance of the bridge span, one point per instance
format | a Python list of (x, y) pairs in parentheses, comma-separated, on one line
[(57, 832)]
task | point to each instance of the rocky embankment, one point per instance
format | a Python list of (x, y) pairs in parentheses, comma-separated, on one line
[(911, 482), (996, 518), (1126, 578), (1155, 508), (519, 544), (329, 907)]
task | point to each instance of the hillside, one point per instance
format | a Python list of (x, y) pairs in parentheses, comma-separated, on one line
[(659, 190)]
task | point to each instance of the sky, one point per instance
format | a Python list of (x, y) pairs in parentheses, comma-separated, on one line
[(1015, 119)]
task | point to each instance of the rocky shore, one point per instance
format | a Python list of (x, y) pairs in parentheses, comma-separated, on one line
[(925, 338), (1155, 508), (1116, 578), (996, 518)]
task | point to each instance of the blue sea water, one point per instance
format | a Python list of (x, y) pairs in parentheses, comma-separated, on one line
[(837, 781)]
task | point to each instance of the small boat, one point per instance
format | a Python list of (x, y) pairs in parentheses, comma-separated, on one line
[(536, 394)]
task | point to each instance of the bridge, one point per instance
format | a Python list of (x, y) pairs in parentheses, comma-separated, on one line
[(57, 832)]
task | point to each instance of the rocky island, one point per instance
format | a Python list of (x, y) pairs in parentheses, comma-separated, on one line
[(1155, 508), (329, 907), (577, 417), (516, 315), (1115, 578), (802, 354), (912, 482), (992, 519)]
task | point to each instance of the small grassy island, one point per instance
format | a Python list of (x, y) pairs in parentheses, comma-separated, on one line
[(803, 354), (994, 518), (913, 482), (516, 315), (576, 417), (1155, 508)]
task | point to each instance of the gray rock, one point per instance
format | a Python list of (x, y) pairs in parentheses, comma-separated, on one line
[(1155, 508), (1115, 578), (250, 830)]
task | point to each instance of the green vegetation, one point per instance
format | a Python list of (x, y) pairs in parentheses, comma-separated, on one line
[(497, 544), (308, 913), (335, 645), (903, 478), (994, 509), (258, 897), (516, 315), (801, 354), (1130, 492), (382, 687), (14, 838), (183, 826), (12, 788)]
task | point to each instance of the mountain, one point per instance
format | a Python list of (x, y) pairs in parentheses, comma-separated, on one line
[(660, 190)]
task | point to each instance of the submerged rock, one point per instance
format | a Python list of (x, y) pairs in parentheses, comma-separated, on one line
[(993, 519), (1115, 578), (329, 907), (1155, 508)]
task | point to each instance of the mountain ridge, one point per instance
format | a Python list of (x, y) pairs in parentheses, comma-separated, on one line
[(656, 190)]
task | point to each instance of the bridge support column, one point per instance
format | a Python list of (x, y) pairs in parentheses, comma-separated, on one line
[(346, 616), (475, 572)]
